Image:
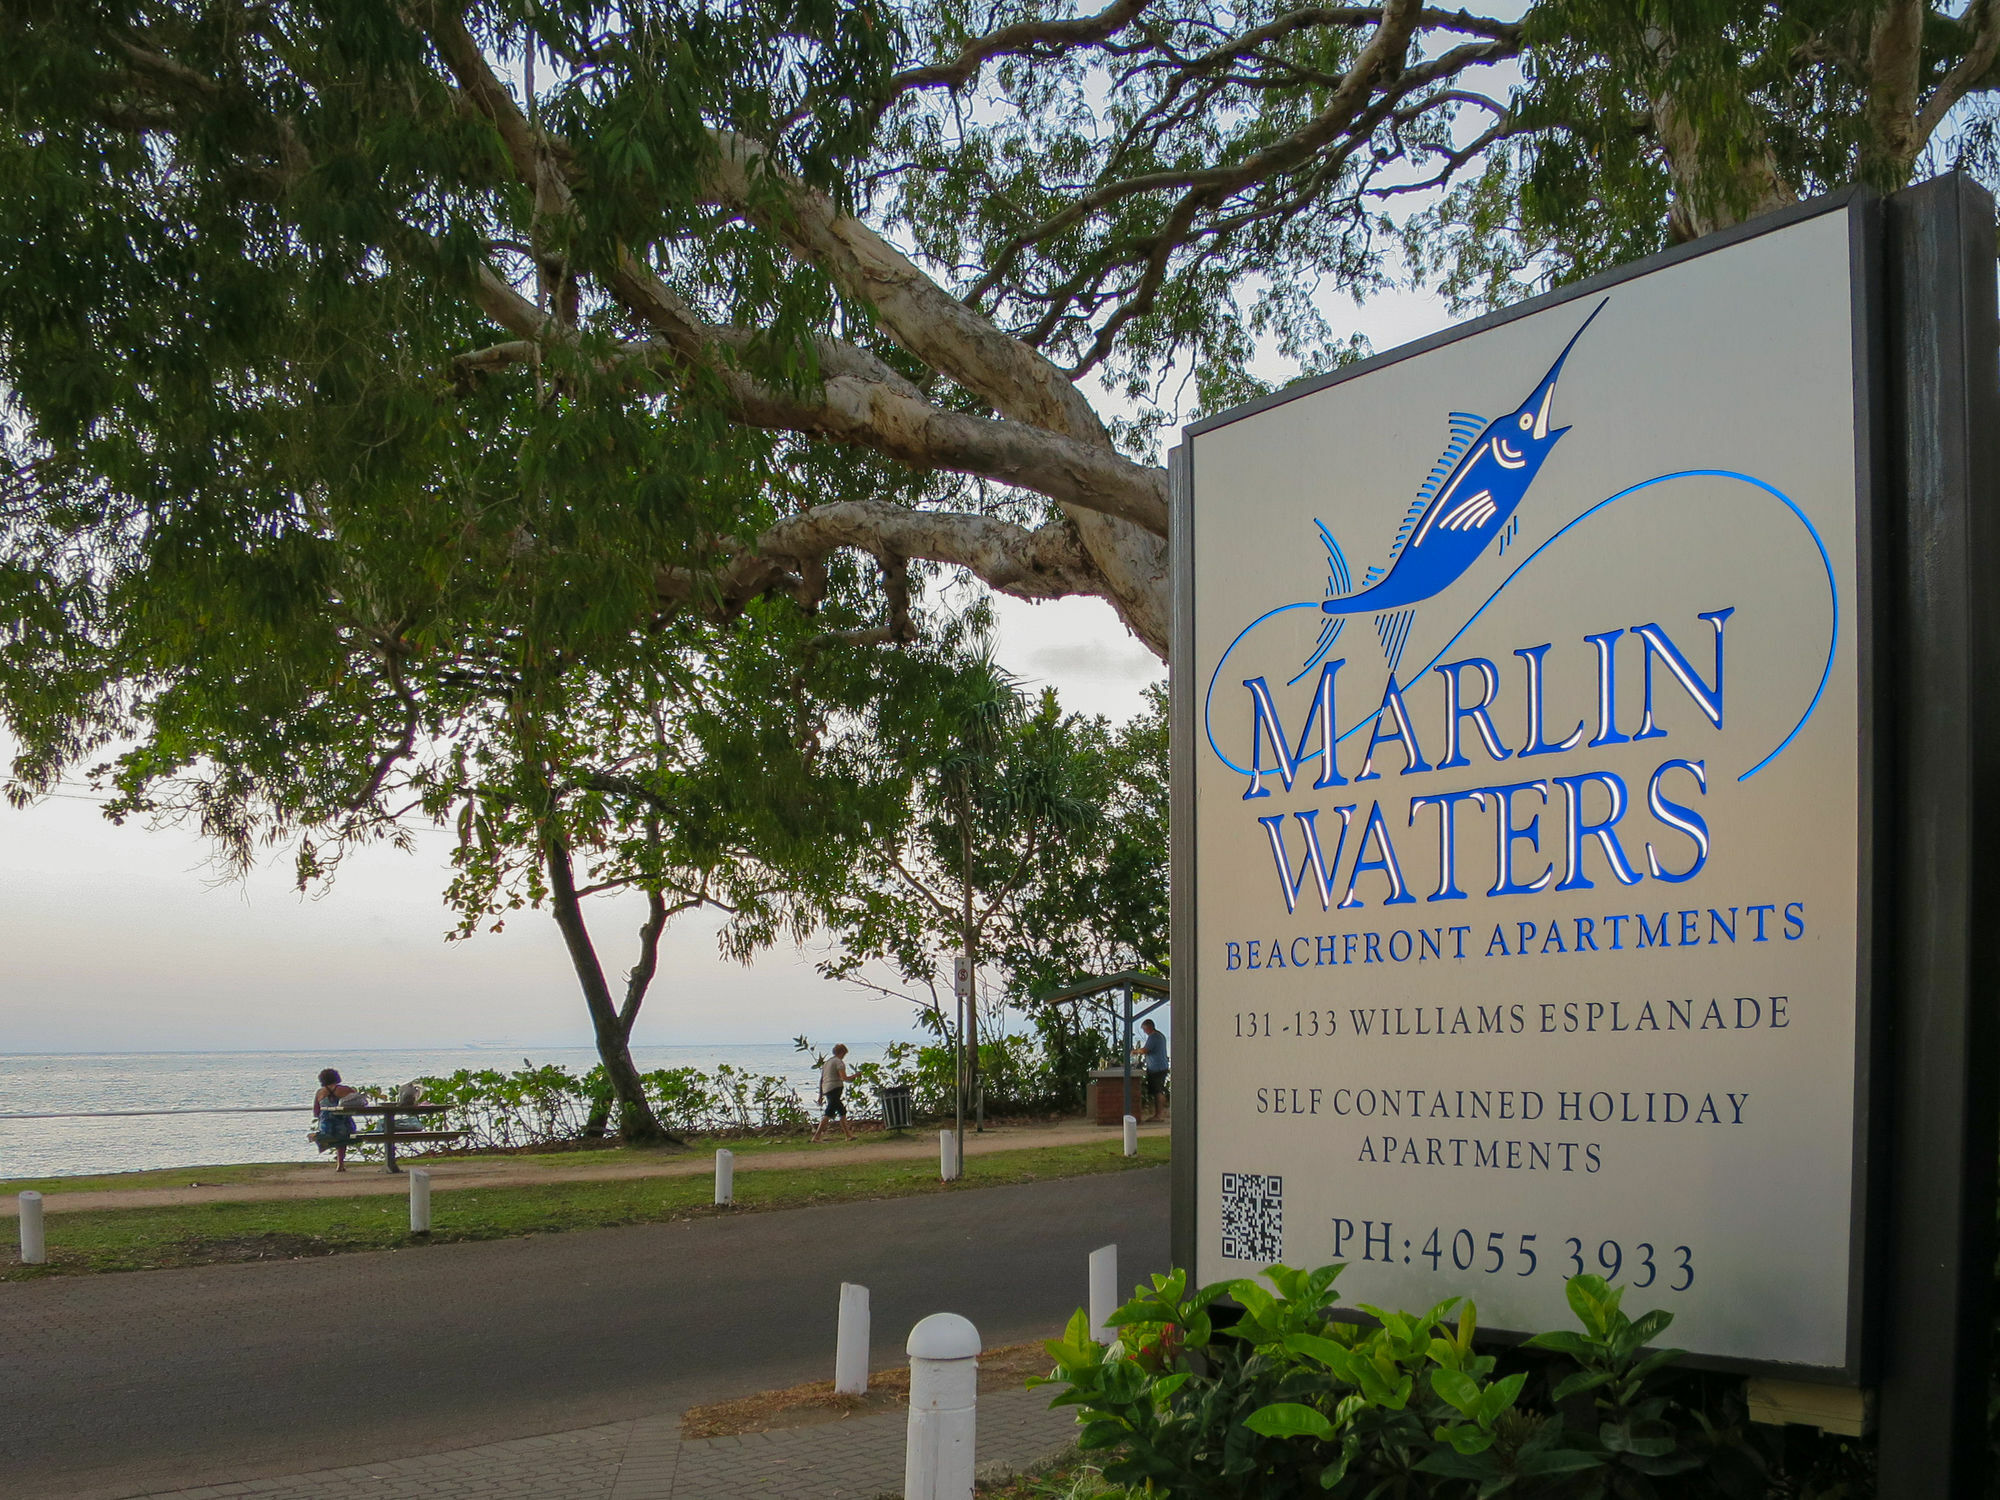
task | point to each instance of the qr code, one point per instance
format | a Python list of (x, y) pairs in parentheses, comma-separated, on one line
[(1253, 1217)]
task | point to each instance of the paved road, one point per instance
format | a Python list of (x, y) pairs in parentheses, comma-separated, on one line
[(119, 1385)]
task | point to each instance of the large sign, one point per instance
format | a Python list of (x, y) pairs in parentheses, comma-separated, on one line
[(1529, 808)]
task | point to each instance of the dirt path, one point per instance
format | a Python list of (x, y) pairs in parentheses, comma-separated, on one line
[(367, 1180)]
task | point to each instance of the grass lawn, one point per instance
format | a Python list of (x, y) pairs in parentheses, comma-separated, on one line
[(138, 1239)]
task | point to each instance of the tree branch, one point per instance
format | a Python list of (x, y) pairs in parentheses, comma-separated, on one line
[(1981, 23), (1022, 38), (641, 977), (1044, 563), (1385, 51), (909, 306), (887, 418)]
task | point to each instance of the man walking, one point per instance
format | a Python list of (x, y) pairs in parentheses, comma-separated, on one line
[(1154, 1050), (832, 1093)]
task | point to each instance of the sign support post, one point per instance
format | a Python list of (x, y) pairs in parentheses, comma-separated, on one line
[(1183, 704), (1944, 530)]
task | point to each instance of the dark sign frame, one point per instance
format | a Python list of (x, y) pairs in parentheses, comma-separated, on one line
[(1927, 416)]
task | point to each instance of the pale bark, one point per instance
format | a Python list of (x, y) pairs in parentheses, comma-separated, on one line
[(1045, 436), (1707, 197), (1895, 64), (1982, 27), (1712, 190)]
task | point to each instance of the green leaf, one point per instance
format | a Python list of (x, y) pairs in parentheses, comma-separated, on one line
[(1102, 1432), (1562, 1341), (1466, 1437), (1499, 1396), (1619, 1438), (1457, 1389), (1647, 1327), (1313, 1345), (1558, 1461), (1655, 1362), (1577, 1384), (1286, 1419)]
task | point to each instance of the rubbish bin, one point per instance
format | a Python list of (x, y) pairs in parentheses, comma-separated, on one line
[(897, 1111)]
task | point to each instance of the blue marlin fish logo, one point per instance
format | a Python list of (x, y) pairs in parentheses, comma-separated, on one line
[(1472, 497), (1469, 499)]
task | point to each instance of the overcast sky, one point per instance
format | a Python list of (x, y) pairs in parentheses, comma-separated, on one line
[(120, 939)]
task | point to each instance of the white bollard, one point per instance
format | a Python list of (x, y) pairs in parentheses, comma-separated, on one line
[(1131, 1135), (948, 1163), (850, 1349), (725, 1177), (420, 1201), (1103, 1292), (944, 1396), (34, 1247)]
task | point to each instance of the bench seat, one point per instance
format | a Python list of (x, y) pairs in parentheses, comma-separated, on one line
[(402, 1137)]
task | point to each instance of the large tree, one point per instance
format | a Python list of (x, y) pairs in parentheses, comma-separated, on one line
[(910, 254), (1636, 127), (726, 768), (1098, 904), (1000, 791), (342, 337), (901, 245)]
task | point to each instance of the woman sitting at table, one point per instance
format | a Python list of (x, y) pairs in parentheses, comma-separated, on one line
[(333, 1127)]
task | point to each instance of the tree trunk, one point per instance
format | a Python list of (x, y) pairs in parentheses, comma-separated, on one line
[(636, 1122), (636, 984)]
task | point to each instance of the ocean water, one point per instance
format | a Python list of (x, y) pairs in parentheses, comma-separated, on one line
[(85, 1083)]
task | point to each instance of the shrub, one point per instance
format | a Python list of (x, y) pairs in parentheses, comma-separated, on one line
[(1286, 1401), (550, 1105), (1022, 1075)]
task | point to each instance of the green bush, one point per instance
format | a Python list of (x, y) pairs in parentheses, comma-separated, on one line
[(1287, 1401), (1021, 1074), (548, 1105)]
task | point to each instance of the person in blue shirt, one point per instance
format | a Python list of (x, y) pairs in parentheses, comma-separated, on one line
[(333, 1129), (1154, 1050)]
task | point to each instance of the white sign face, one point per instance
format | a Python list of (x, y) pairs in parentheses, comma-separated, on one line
[(1527, 805)]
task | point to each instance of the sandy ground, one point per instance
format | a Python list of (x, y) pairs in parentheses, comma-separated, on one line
[(367, 1179)]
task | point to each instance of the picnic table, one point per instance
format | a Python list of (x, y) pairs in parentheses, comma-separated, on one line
[(388, 1137)]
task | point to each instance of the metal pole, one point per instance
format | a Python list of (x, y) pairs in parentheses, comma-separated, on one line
[(1128, 1052), (960, 1072)]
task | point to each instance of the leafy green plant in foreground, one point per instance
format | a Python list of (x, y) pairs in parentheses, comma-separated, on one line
[(1282, 1399)]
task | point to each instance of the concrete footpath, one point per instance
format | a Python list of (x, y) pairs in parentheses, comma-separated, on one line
[(473, 1368), (646, 1460)]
